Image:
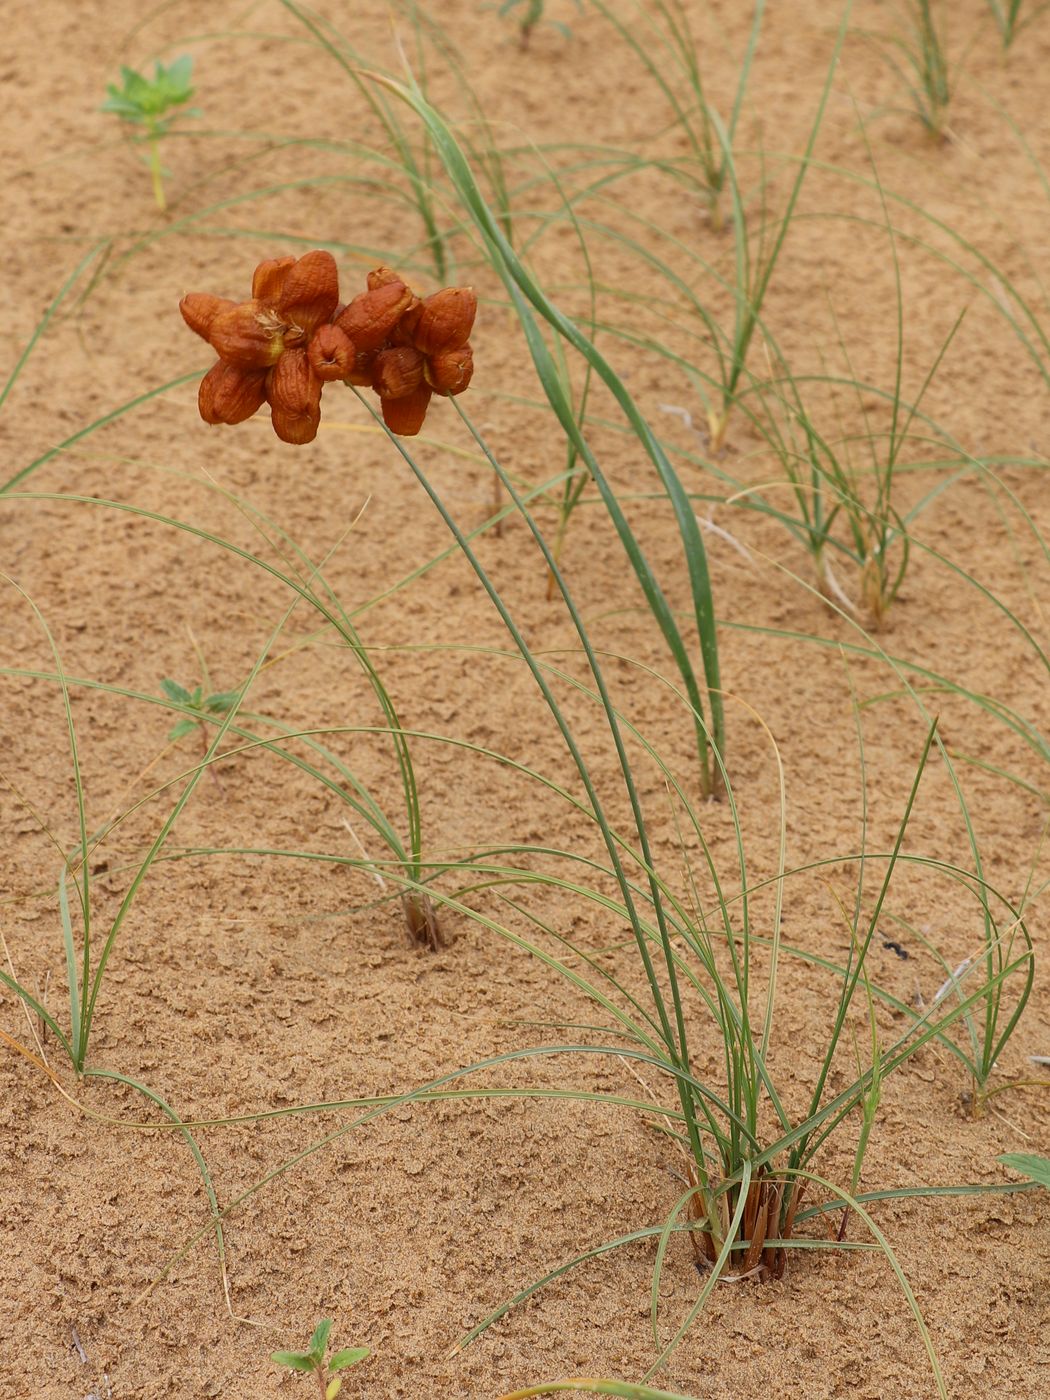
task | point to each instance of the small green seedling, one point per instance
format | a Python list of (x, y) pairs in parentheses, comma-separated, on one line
[(313, 1360), (532, 16), (148, 104), (220, 703)]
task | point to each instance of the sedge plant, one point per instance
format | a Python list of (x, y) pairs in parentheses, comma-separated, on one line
[(749, 1160), (919, 58), (847, 480), (750, 1163), (752, 1202), (661, 39)]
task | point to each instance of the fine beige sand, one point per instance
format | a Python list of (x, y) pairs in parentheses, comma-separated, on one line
[(244, 984)]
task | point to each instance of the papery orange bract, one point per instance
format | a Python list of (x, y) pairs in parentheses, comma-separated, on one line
[(268, 279)]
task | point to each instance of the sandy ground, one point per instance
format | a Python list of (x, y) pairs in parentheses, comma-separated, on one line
[(243, 984)]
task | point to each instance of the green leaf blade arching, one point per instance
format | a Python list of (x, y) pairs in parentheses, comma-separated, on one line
[(1028, 1164)]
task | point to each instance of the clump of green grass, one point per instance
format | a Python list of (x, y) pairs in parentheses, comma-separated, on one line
[(1010, 21), (153, 105), (661, 38), (919, 58), (848, 479), (756, 252)]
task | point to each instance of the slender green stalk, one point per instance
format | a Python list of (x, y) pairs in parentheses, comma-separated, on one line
[(526, 294), (413, 165), (156, 171)]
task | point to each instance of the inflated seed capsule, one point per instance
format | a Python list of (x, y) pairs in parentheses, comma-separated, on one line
[(293, 391), (228, 394), (249, 335), (310, 292), (199, 310), (446, 320), (405, 416), (397, 372), (449, 372), (371, 316), (331, 353)]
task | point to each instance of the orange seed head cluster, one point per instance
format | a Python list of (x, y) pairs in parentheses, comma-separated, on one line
[(293, 336)]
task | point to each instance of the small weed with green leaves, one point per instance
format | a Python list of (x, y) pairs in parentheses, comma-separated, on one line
[(221, 702), (150, 105), (533, 15), (312, 1361)]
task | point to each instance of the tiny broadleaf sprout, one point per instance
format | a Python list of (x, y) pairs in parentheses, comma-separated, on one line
[(312, 1360), (219, 703), (533, 15), (150, 104)]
